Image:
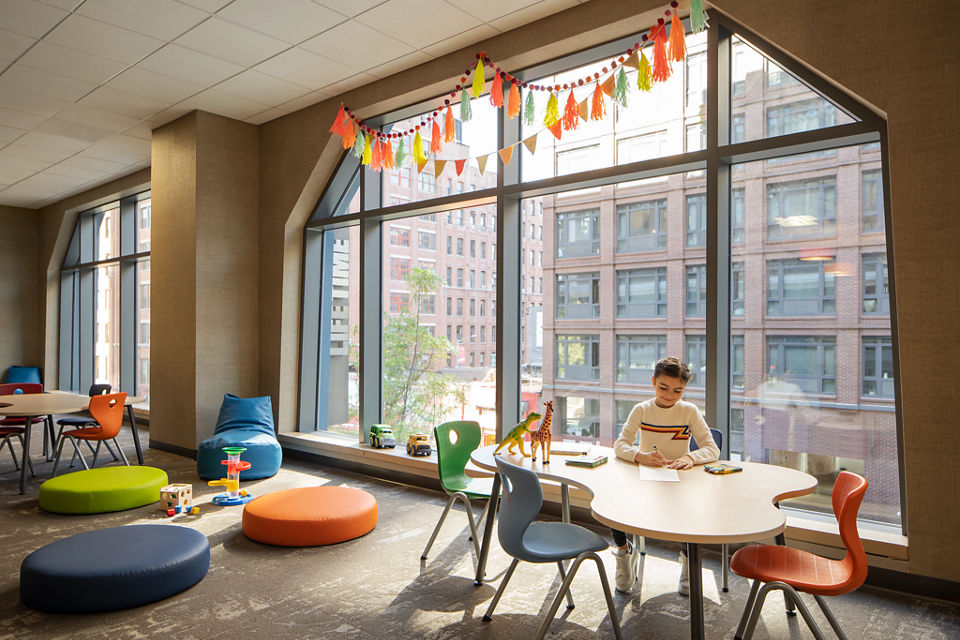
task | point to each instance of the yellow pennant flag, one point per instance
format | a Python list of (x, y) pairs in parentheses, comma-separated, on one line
[(531, 144), (438, 166), (482, 163), (506, 154), (421, 164)]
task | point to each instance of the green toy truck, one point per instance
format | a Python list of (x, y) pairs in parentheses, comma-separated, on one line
[(381, 436)]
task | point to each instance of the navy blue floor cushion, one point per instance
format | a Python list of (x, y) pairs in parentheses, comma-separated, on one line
[(242, 422), (116, 568)]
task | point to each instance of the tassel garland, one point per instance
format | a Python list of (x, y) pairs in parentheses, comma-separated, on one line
[(339, 126), (349, 135), (513, 103), (644, 74), (571, 115), (401, 154), (528, 110), (477, 88), (367, 153), (552, 116), (661, 64), (678, 40), (465, 112), (419, 157), (496, 90), (436, 142), (376, 159), (358, 145), (620, 93), (699, 20), (449, 127), (387, 154), (597, 109)]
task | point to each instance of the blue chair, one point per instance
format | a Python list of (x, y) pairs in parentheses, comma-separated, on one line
[(242, 422), (16, 373), (455, 442), (542, 542)]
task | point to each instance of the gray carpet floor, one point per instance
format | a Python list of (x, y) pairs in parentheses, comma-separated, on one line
[(376, 587)]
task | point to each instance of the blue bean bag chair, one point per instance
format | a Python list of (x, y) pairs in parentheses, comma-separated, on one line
[(243, 422), (16, 373)]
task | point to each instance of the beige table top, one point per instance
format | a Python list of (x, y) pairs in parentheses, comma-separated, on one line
[(41, 404), (130, 399), (701, 507)]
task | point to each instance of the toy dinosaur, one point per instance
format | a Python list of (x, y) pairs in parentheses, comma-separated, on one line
[(542, 436), (515, 437)]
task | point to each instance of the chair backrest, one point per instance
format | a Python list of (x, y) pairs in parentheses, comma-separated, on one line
[(848, 493), (16, 373), (717, 437), (251, 414), (519, 506), (10, 388), (107, 410), (99, 389), (455, 440)]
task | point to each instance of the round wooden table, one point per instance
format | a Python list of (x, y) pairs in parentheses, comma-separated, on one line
[(699, 508)]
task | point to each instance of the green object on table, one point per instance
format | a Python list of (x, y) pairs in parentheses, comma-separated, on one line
[(102, 490)]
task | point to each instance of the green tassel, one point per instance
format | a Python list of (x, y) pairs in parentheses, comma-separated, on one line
[(358, 145), (620, 93), (401, 154), (699, 20), (644, 79), (465, 111), (528, 110)]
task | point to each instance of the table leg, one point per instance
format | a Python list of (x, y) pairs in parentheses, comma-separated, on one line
[(136, 436), (28, 422), (696, 591), (781, 540), (565, 502), (49, 436), (488, 531)]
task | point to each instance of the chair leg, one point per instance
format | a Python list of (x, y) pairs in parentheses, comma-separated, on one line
[(830, 617), (747, 609), (5, 442), (789, 594), (76, 448), (473, 525), (111, 451), (563, 577), (488, 616), (56, 460), (96, 452), (29, 461), (107, 444), (483, 515), (459, 495), (725, 561), (565, 587)]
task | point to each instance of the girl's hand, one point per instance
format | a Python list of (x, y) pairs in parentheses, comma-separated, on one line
[(683, 462), (652, 459)]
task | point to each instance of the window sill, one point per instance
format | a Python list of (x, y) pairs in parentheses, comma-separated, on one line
[(820, 535)]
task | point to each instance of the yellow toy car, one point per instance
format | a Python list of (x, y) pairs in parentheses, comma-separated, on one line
[(418, 445)]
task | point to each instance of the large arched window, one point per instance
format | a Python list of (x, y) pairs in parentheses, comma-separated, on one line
[(105, 299), (734, 217)]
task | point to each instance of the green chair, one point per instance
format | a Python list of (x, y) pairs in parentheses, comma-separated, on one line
[(455, 442)]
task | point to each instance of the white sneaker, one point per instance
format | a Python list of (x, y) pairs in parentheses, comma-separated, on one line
[(626, 573), (683, 587)]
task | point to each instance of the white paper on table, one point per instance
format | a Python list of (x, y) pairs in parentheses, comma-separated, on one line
[(658, 474)]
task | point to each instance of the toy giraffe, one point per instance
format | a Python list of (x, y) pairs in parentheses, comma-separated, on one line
[(515, 437), (542, 436)]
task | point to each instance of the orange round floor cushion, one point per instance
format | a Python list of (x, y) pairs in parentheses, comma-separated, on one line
[(310, 516)]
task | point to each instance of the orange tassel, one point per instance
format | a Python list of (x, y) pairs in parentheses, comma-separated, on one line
[(387, 153), (661, 64), (513, 105), (435, 139), (496, 90), (678, 41), (571, 113), (450, 128), (376, 156), (597, 110), (339, 126), (349, 134)]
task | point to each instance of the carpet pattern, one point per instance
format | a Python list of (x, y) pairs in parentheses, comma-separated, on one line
[(376, 588)]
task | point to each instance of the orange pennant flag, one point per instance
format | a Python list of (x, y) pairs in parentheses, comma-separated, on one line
[(584, 110), (556, 129), (506, 154), (633, 61), (607, 86), (421, 164), (482, 163), (438, 166), (459, 165), (531, 144)]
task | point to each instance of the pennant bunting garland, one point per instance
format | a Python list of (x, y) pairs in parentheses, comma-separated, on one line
[(375, 149)]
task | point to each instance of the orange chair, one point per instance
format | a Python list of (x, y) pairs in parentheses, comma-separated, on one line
[(107, 410), (793, 570)]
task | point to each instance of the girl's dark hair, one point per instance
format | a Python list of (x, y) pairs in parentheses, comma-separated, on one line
[(672, 367)]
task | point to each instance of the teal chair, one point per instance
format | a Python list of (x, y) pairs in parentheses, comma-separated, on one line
[(455, 442), (541, 542)]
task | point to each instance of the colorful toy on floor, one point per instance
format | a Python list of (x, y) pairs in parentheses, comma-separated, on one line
[(515, 437), (542, 436), (177, 498), (231, 483)]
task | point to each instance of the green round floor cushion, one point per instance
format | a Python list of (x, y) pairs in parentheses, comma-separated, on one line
[(102, 489)]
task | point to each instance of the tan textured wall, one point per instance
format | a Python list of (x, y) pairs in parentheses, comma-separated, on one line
[(20, 295)]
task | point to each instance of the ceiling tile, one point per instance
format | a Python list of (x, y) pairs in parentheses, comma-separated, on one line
[(168, 115), (352, 82), (66, 5), (98, 118), (305, 101), (9, 134), (124, 103), (17, 196), (19, 119), (52, 142), (231, 42), (48, 156), (29, 165), (73, 130), (83, 161), (340, 44), (148, 84), (53, 182), (297, 21), (302, 67), (179, 62), (29, 18), (531, 14), (266, 116), (120, 148), (12, 45), (143, 130), (350, 7), (223, 104), (63, 169), (104, 40), (262, 88), (45, 83), (490, 9), (31, 103), (461, 40), (210, 6), (163, 19), (418, 22), (399, 64), (10, 175), (53, 58)]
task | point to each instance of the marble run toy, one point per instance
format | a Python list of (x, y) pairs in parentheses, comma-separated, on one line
[(231, 483)]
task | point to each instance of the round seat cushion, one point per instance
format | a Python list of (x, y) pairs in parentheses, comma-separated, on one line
[(310, 516), (102, 489), (114, 568)]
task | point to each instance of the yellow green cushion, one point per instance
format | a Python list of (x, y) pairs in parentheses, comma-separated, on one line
[(102, 489)]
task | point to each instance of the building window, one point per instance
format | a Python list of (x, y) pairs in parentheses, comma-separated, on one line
[(871, 200), (581, 159), (809, 362), (449, 306), (636, 356), (642, 293), (399, 302), (642, 226), (449, 245), (578, 234), (578, 357), (578, 295), (737, 215), (459, 246), (473, 248), (697, 220), (696, 349), (427, 240), (876, 293), (578, 417), (428, 304), (483, 337), (800, 288), (800, 116), (460, 278), (473, 306), (737, 294), (473, 279), (460, 307), (737, 128), (426, 182), (696, 291), (483, 308), (399, 268), (801, 209), (736, 361), (399, 237), (877, 367)]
